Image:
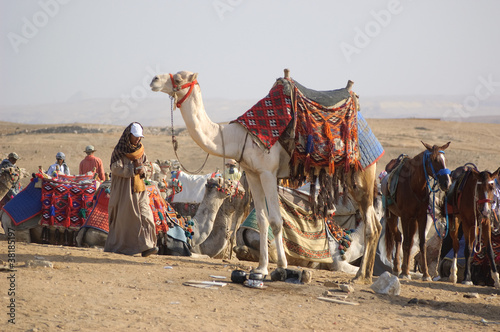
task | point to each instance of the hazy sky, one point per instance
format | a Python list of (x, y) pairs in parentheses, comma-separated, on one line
[(52, 49)]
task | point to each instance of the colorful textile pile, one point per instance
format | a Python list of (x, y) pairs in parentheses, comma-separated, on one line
[(267, 119), (66, 201), (98, 217), (162, 211)]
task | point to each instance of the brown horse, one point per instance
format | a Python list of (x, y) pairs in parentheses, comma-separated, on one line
[(410, 201), (469, 203)]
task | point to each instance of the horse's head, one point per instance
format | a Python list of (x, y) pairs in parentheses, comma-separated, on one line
[(485, 189), (178, 86), (435, 165)]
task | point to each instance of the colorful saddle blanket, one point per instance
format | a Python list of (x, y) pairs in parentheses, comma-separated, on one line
[(66, 203), (25, 205), (324, 136)]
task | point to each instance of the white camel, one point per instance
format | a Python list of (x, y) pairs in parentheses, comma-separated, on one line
[(263, 169)]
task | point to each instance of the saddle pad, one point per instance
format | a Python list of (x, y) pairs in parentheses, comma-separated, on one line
[(325, 137), (267, 119), (66, 204), (98, 217), (25, 205), (326, 98), (370, 149)]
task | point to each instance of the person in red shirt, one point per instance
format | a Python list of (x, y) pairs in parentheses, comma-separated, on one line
[(90, 162)]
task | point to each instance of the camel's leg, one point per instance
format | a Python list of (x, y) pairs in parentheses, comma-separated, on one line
[(269, 183), (362, 190), (409, 226), (422, 225), (456, 248), (260, 212)]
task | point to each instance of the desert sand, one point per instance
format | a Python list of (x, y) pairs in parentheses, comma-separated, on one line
[(86, 289)]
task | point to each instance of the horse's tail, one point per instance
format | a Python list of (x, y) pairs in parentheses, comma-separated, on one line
[(391, 227)]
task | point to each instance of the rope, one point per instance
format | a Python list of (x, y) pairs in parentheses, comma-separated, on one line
[(174, 140)]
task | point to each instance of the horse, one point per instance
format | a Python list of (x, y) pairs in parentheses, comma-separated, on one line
[(469, 204), (407, 192)]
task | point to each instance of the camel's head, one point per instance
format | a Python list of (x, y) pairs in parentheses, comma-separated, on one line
[(174, 84)]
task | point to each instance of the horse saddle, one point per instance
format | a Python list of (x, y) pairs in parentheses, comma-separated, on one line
[(390, 182), (459, 177), (327, 98)]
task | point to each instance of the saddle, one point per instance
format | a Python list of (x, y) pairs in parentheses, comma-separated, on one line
[(390, 182), (327, 98), (458, 177)]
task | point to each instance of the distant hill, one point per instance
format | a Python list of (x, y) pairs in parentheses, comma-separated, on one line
[(156, 111)]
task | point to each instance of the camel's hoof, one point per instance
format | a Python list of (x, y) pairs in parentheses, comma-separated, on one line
[(261, 271), (427, 278), (362, 280), (405, 276), (468, 283)]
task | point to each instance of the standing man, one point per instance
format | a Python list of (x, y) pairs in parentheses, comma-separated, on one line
[(90, 162)]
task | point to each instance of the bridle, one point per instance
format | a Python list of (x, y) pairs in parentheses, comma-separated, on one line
[(177, 88), (433, 189), (178, 104)]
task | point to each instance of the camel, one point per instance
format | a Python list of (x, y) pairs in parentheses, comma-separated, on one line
[(248, 240), (219, 213), (263, 169), (8, 176)]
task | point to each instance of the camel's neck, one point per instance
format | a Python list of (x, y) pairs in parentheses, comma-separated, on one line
[(209, 135), (4, 187)]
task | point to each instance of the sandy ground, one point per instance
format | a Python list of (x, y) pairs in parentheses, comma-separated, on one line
[(89, 290)]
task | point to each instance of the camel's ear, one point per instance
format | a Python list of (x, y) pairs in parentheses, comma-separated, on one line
[(445, 146), (193, 77), (427, 146)]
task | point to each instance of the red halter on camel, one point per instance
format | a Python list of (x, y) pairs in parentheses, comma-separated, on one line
[(179, 88)]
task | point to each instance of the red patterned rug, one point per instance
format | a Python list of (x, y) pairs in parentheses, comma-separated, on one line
[(66, 204)]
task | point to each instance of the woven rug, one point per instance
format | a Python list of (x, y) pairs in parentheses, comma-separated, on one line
[(66, 204), (25, 205), (98, 217), (302, 237)]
